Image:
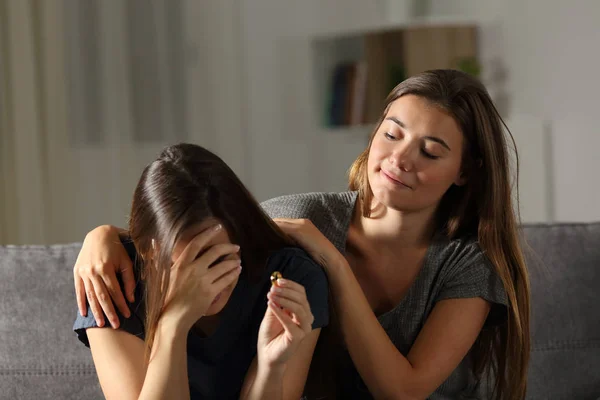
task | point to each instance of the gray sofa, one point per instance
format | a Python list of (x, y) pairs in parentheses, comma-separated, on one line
[(40, 357)]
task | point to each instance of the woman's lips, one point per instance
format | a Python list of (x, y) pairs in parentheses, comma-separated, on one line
[(393, 179)]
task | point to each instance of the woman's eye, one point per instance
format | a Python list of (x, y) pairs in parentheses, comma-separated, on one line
[(389, 136), (429, 155)]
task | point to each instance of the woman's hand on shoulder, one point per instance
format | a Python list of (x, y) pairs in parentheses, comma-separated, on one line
[(308, 236), (95, 275), (287, 321)]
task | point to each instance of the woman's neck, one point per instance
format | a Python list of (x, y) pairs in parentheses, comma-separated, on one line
[(395, 229)]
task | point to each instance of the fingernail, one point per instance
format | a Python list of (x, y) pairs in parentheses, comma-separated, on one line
[(281, 282), (218, 227), (236, 247), (127, 314), (276, 289), (240, 268)]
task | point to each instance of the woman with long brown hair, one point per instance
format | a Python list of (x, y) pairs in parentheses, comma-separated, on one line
[(429, 284), (200, 326)]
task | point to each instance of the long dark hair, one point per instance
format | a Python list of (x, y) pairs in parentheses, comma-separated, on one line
[(483, 207), (184, 186)]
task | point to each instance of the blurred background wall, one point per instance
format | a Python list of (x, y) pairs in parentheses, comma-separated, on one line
[(91, 90)]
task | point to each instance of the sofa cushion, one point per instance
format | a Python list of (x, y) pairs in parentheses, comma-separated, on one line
[(564, 265), (40, 356)]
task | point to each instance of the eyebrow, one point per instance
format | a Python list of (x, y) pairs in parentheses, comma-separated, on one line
[(429, 137)]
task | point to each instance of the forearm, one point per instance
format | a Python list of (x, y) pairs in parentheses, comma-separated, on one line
[(385, 371), (267, 384), (167, 376)]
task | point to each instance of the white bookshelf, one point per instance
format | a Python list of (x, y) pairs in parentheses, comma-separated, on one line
[(390, 50)]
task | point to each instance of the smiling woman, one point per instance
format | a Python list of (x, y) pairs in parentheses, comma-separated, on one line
[(407, 154), (423, 255)]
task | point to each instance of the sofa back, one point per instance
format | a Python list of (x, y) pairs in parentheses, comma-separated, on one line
[(40, 357), (564, 266)]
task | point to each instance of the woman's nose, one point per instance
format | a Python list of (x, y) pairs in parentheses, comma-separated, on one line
[(403, 158)]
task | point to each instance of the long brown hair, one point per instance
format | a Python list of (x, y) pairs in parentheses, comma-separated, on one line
[(184, 186), (482, 207)]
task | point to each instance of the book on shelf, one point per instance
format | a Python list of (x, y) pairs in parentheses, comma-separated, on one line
[(347, 95), (349, 98)]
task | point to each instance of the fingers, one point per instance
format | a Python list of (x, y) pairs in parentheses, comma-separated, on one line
[(295, 292), (297, 229), (290, 294), (126, 268), (103, 298), (94, 306), (225, 280), (286, 321), (215, 253), (288, 284), (80, 293), (197, 244), (292, 223), (300, 309), (112, 285), (290, 220), (221, 269), (285, 224)]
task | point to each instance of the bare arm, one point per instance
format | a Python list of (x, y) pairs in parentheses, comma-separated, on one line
[(119, 356), (123, 372), (286, 382), (446, 338), (167, 375), (448, 334)]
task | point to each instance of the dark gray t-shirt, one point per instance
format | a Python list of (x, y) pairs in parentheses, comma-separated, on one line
[(451, 269), (217, 364)]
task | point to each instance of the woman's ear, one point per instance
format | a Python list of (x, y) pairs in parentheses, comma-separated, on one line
[(461, 179), (463, 175)]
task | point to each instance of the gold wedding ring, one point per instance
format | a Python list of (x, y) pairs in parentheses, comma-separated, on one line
[(274, 276)]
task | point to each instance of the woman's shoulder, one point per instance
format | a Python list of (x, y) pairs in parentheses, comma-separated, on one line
[(293, 260), (465, 270), (463, 248), (330, 212), (302, 205)]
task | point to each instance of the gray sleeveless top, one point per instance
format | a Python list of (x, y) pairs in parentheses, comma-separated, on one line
[(451, 269)]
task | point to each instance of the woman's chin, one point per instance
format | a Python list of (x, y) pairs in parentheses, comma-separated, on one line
[(386, 198)]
